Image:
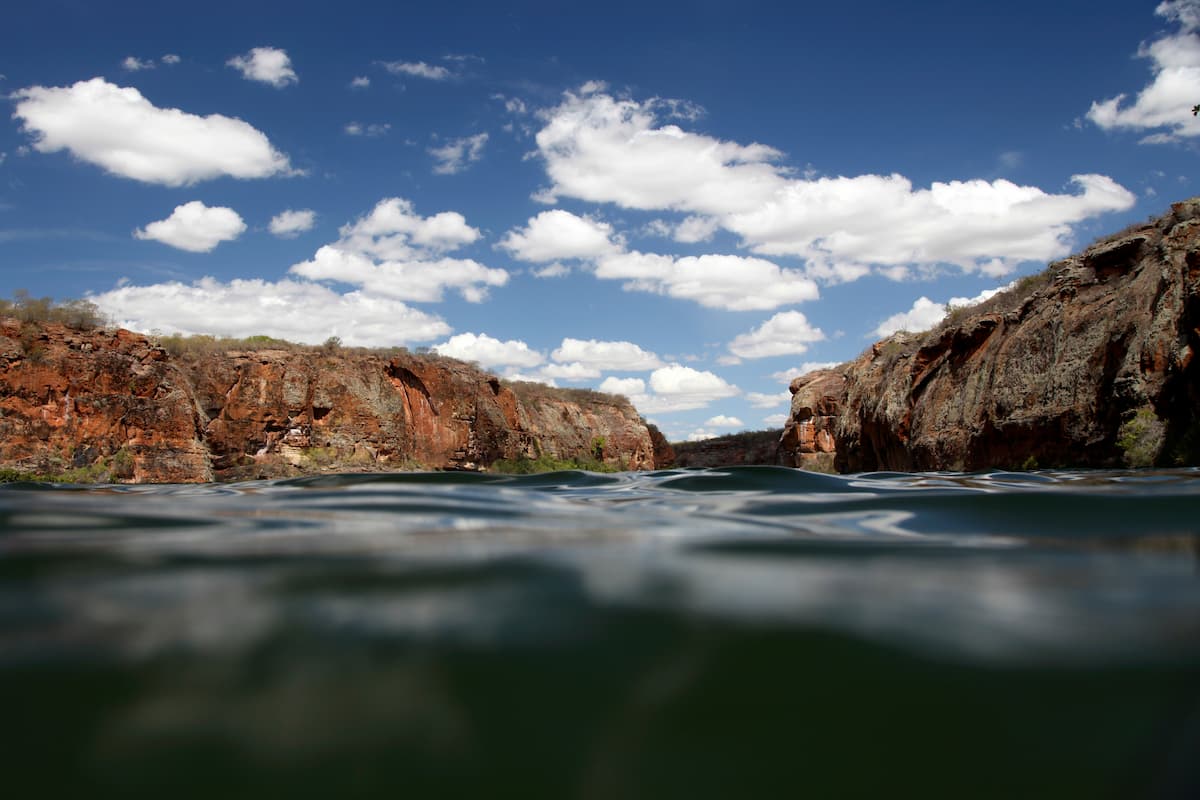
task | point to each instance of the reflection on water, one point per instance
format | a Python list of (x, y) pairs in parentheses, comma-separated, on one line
[(740, 632)]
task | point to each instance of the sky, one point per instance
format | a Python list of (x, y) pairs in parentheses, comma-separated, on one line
[(685, 203)]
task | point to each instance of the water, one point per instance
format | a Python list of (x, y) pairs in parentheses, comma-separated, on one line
[(748, 632)]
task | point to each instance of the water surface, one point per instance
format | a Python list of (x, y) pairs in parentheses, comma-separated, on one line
[(742, 632)]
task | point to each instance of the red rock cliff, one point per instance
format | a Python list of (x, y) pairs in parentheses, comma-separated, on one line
[(120, 404), (1084, 365)]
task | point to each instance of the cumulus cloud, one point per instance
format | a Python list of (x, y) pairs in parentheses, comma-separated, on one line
[(734, 283), (268, 65), (925, 313), (701, 435), (786, 333), (297, 311), (1164, 105), (490, 352), (397, 253), (417, 69), (555, 270), (696, 229), (786, 376), (170, 59), (135, 64), (630, 387), (290, 224), (723, 421), (573, 371), (372, 130), (360, 82), (775, 420), (454, 156), (119, 130), (606, 356), (195, 227), (600, 149), (763, 400), (558, 234), (671, 388)]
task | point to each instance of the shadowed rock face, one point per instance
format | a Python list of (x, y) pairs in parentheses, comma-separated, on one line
[(1045, 375), (115, 401), (738, 449)]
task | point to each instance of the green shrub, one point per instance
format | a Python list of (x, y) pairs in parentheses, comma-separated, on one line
[(1140, 438), (524, 465)]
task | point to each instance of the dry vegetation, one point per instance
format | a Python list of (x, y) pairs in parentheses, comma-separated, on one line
[(75, 314)]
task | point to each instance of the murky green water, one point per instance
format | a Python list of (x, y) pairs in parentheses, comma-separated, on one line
[(751, 632)]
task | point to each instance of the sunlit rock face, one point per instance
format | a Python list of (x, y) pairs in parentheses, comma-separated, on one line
[(1081, 366), (122, 408)]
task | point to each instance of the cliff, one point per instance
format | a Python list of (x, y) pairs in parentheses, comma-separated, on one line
[(1089, 364), (114, 404), (752, 447)]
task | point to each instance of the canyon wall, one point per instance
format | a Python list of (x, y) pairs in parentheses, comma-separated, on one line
[(1090, 364), (117, 405)]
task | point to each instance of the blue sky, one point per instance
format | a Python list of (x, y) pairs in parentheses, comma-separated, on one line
[(684, 202)]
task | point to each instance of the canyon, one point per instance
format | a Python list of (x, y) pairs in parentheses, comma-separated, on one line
[(116, 405)]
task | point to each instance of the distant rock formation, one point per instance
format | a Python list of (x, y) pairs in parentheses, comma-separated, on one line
[(1090, 364), (737, 449), (118, 403)]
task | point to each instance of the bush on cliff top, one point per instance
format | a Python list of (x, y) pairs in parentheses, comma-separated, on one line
[(77, 314)]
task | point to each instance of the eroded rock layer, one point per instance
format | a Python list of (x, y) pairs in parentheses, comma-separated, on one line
[(1089, 364), (116, 403)]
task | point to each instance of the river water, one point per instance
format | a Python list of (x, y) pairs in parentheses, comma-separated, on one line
[(744, 632)]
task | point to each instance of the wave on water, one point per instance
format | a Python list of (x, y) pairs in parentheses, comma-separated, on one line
[(672, 633)]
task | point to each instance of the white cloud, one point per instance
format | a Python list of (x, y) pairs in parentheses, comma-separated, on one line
[(775, 420), (135, 64), (517, 375), (454, 156), (762, 400), (606, 356), (396, 253), (677, 388), (555, 270), (360, 82), (558, 234), (630, 387), (734, 283), (925, 313), (786, 333), (265, 65), (701, 435), (1165, 104), (696, 229), (372, 130), (603, 150), (573, 371), (118, 129), (289, 224), (723, 421), (786, 376), (417, 69), (195, 227), (489, 352), (671, 388), (170, 59), (295, 311)]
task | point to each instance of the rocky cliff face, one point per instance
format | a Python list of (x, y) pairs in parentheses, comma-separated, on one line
[(757, 447), (1081, 366), (117, 404)]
